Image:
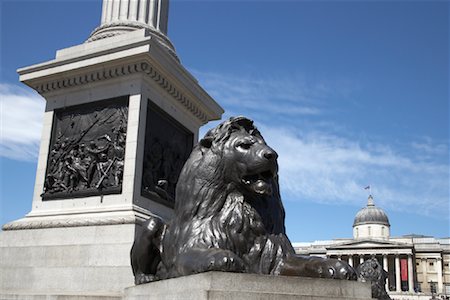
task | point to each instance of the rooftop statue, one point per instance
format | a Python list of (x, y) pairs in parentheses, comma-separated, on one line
[(228, 216)]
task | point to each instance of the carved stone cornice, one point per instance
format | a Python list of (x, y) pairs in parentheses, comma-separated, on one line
[(124, 70), (25, 224)]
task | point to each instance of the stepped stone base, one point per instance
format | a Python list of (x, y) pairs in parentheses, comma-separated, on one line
[(58, 297), (85, 262), (220, 285)]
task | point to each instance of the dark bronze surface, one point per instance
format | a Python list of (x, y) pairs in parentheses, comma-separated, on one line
[(87, 150), (167, 147), (228, 216), (372, 271)]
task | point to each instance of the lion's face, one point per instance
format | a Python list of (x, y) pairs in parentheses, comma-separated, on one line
[(251, 163)]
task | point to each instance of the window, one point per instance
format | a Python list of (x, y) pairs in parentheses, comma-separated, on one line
[(433, 287), (431, 264)]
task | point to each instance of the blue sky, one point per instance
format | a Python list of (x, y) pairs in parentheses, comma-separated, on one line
[(348, 93)]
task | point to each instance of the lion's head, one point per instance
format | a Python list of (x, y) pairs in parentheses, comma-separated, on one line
[(232, 157)]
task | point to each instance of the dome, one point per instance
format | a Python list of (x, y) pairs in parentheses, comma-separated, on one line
[(371, 215)]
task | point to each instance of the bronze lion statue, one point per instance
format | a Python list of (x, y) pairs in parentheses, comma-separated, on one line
[(228, 215)]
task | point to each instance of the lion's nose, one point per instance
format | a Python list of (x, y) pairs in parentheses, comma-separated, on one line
[(270, 154)]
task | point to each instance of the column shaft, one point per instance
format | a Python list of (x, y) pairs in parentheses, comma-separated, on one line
[(397, 274), (361, 259), (108, 13), (123, 13), (350, 260), (153, 8), (424, 275), (439, 275), (142, 11), (386, 268), (410, 274), (132, 12), (115, 10), (104, 11)]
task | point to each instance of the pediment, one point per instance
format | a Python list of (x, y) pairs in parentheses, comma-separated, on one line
[(372, 244)]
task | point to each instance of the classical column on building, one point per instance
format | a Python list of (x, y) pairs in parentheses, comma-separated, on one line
[(424, 286), (339, 257), (386, 268), (122, 16), (350, 260), (410, 274), (361, 258), (397, 274), (439, 275)]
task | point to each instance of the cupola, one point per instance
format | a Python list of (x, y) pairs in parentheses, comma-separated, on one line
[(371, 222)]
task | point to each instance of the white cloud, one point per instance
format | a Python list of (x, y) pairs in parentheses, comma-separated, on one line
[(289, 97), (21, 114), (319, 163), (329, 169)]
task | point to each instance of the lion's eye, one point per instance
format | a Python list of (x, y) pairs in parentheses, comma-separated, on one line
[(245, 145)]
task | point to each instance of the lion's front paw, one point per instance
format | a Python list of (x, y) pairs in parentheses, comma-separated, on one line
[(333, 268), (223, 260), (204, 260)]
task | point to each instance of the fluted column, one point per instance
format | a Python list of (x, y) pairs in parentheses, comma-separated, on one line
[(132, 13), (397, 274), (386, 268), (439, 275), (115, 10), (410, 274), (152, 13), (108, 11), (123, 10), (424, 274), (104, 11)]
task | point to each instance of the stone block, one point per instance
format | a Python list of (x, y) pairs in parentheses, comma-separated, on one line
[(221, 285), (67, 261)]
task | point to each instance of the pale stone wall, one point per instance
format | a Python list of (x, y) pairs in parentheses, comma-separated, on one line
[(374, 231)]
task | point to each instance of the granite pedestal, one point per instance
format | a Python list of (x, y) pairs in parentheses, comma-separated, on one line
[(220, 285)]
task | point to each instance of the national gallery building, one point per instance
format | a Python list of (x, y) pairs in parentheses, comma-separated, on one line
[(418, 266)]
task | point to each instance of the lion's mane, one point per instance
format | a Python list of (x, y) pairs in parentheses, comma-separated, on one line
[(213, 211)]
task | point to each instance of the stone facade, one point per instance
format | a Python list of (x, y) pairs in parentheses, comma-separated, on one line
[(418, 266)]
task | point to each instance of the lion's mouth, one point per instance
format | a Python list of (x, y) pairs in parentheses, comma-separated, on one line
[(259, 183)]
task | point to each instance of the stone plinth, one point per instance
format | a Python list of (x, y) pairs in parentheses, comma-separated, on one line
[(220, 285), (69, 262)]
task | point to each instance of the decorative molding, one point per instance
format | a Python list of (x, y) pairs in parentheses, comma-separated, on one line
[(23, 224), (123, 70), (121, 27)]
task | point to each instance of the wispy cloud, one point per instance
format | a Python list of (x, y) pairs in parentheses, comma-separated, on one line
[(21, 114), (319, 162), (282, 97)]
